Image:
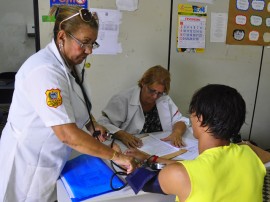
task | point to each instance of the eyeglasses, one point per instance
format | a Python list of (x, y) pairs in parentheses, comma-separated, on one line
[(154, 92), (85, 15), (93, 45)]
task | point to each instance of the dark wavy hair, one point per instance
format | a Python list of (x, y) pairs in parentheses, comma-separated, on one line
[(221, 108)]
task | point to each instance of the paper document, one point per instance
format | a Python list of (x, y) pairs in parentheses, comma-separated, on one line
[(127, 5), (218, 27), (192, 149), (109, 24), (154, 146)]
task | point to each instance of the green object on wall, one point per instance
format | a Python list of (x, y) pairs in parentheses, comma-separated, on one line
[(47, 18)]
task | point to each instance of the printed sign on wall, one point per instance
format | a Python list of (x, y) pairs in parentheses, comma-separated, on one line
[(249, 22), (82, 3), (48, 18)]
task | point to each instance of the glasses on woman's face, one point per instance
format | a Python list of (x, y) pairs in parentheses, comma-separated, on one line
[(85, 15), (93, 45), (155, 92)]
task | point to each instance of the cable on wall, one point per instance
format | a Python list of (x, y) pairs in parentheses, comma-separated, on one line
[(256, 95), (36, 21), (170, 36)]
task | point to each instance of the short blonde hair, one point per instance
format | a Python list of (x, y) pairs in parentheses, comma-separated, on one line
[(156, 74)]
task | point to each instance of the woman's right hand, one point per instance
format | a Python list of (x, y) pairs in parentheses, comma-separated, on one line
[(128, 139)]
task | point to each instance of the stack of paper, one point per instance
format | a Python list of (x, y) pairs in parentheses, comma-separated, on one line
[(154, 146), (87, 176)]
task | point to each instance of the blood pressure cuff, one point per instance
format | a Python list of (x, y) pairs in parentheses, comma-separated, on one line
[(144, 179)]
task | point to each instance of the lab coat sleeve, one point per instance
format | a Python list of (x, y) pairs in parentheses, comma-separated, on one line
[(42, 80), (114, 114), (176, 114)]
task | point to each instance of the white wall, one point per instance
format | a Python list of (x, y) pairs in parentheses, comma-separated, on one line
[(15, 45)]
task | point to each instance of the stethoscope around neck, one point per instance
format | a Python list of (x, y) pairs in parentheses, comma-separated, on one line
[(80, 83), (86, 99), (97, 133)]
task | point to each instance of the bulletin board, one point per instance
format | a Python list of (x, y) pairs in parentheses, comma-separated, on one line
[(249, 22)]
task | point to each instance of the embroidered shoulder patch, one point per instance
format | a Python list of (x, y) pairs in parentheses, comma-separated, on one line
[(53, 98)]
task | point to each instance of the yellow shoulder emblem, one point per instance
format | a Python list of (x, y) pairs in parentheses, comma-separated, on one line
[(53, 98)]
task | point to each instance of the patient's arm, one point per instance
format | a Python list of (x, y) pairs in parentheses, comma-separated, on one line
[(262, 154)]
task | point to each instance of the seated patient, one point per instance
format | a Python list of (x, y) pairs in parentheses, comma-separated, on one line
[(145, 108), (223, 171)]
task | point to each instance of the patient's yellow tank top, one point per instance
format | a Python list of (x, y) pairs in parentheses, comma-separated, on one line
[(231, 173)]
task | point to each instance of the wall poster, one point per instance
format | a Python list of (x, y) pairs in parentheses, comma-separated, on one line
[(82, 3), (249, 22)]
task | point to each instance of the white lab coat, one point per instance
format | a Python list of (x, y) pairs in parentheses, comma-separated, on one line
[(124, 112), (31, 155)]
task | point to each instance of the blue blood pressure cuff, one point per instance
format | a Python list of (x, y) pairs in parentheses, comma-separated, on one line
[(144, 179)]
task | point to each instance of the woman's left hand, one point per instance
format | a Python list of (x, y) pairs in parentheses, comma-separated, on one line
[(141, 156), (176, 139)]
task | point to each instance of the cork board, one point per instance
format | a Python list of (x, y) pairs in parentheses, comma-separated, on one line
[(249, 22)]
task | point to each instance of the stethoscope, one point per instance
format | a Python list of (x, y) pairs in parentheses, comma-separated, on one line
[(97, 133), (86, 99), (80, 83), (89, 107)]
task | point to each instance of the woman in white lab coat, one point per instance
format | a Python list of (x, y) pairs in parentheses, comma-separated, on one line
[(50, 107), (145, 108)]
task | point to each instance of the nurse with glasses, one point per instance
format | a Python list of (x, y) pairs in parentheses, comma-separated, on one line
[(51, 106)]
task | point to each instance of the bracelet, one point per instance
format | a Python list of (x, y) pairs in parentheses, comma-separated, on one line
[(154, 159), (146, 160), (114, 154)]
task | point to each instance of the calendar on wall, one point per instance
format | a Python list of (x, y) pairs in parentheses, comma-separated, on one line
[(191, 28)]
